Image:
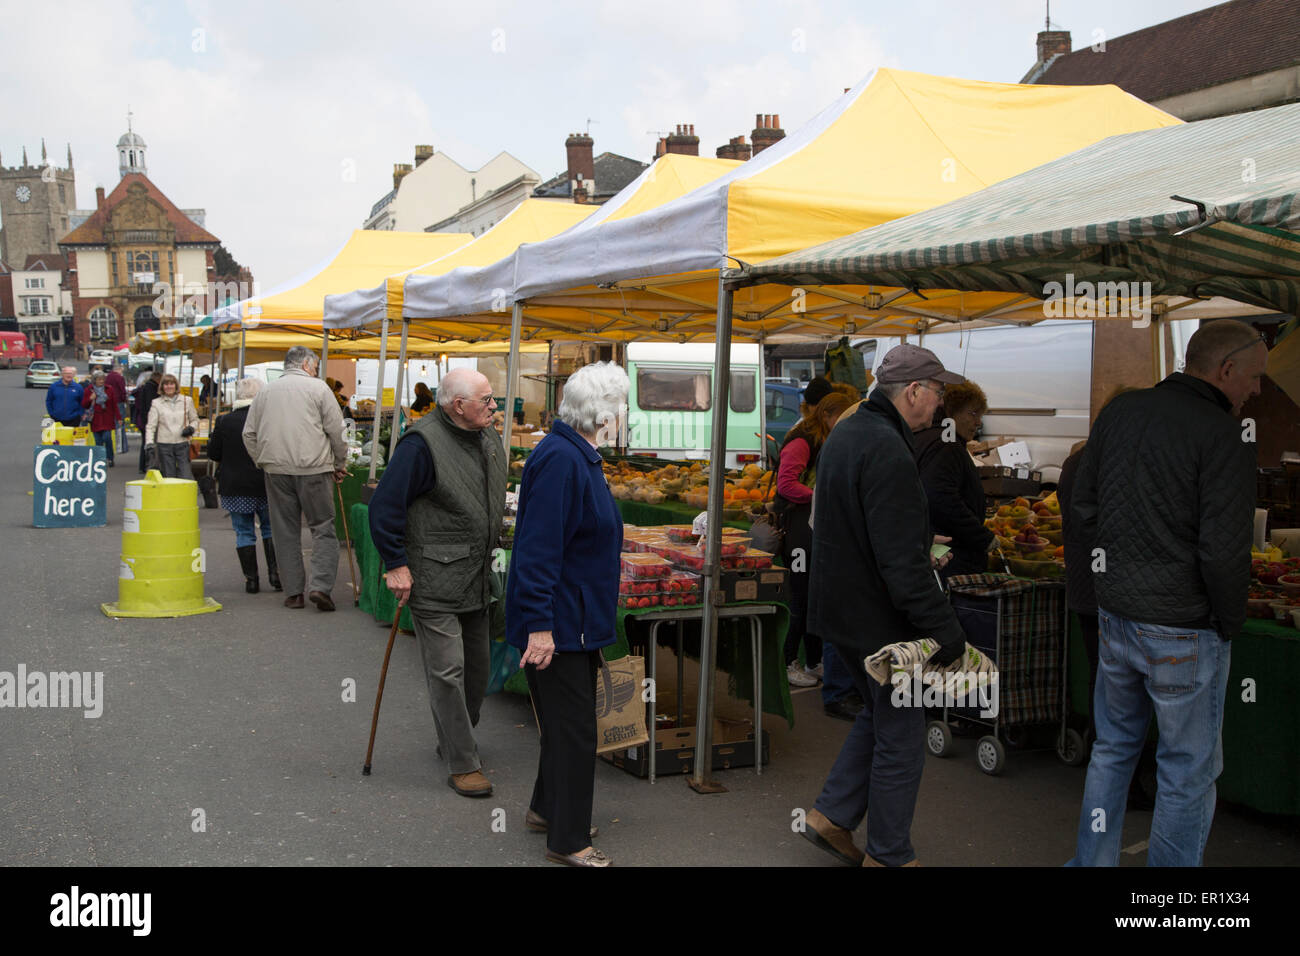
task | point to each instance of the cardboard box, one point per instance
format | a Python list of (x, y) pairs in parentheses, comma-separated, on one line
[(766, 585), (733, 746)]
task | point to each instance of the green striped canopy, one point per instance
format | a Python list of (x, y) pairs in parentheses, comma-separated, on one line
[(1104, 214)]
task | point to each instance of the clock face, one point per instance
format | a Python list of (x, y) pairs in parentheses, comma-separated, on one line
[(23, 193)]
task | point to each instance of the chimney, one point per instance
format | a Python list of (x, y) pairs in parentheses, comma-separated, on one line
[(1052, 43), (767, 131), (422, 153), (99, 197), (737, 148), (578, 147), (400, 170), (683, 141)]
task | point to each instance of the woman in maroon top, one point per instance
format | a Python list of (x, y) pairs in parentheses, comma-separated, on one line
[(794, 483)]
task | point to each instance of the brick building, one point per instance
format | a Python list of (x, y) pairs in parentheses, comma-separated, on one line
[(137, 261)]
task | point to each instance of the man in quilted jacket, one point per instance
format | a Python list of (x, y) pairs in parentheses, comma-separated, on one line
[(1166, 491)]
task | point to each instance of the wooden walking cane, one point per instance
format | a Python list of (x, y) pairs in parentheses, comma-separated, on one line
[(347, 536), (379, 694)]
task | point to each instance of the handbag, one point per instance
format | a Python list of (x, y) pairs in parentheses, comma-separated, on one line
[(768, 530)]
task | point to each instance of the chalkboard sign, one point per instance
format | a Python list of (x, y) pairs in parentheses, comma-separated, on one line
[(70, 486)]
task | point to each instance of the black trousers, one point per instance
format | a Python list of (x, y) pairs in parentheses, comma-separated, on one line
[(564, 695), (796, 553)]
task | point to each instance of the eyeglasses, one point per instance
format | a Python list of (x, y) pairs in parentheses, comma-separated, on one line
[(938, 391), (485, 401), (1242, 348)]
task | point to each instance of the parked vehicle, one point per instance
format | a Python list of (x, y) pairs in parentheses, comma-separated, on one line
[(42, 372), (14, 350), (671, 399), (102, 358), (782, 400)]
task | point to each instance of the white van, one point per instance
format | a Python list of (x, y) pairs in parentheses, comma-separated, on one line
[(670, 402), (1038, 380)]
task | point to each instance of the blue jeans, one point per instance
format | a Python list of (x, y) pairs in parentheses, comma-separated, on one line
[(1181, 675), (880, 763), (105, 438), (244, 534), (836, 683)]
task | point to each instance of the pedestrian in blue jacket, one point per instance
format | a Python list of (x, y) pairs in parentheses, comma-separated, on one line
[(561, 602), (63, 400)]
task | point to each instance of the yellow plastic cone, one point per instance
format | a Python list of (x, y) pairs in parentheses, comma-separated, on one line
[(161, 571)]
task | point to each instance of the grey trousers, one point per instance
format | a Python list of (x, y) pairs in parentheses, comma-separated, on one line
[(457, 661), (293, 498), (174, 459)]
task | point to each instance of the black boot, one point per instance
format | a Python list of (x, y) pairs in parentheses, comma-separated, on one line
[(272, 571), (248, 561)]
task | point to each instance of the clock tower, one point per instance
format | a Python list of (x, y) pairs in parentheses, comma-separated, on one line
[(35, 203)]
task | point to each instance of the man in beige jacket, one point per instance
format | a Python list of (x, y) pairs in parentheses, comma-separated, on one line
[(294, 433)]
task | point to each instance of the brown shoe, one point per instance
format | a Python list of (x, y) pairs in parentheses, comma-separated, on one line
[(472, 784), (537, 823), (592, 858), (835, 840), (321, 600), (293, 600), (871, 861)]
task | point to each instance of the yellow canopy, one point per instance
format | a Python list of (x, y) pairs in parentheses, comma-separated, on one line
[(530, 221), (365, 259), (270, 345), (897, 143)]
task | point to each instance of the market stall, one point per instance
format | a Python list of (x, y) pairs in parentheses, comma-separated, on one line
[(655, 274), (1116, 213)]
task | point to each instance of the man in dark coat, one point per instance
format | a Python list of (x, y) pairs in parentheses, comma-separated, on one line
[(1166, 494), (873, 584)]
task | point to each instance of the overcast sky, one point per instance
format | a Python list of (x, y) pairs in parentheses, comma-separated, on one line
[(284, 119)]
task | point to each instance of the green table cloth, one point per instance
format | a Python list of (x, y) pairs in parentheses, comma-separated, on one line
[(1261, 719), (669, 512), (357, 476)]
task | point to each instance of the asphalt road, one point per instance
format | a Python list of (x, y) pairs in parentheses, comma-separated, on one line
[(225, 739)]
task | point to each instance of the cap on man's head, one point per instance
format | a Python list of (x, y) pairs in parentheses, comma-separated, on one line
[(911, 363), (817, 389)]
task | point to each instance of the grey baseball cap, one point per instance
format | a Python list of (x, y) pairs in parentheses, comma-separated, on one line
[(911, 363)]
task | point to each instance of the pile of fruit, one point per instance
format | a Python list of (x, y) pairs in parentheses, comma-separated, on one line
[(1029, 534), (1274, 587), (689, 483)]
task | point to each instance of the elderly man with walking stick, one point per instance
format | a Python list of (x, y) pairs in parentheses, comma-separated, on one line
[(435, 519), (294, 433)]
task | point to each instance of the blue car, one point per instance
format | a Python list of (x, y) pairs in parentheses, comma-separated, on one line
[(782, 401)]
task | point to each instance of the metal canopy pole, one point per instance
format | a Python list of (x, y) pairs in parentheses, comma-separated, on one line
[(324, 352), (512, 371), (700, 780), (241, 352), (397, 393), (379, 397), (762, 402)]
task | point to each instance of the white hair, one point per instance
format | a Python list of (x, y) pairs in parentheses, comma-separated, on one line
[(593, 397), (248, 387), (298, 356), (459, 383)]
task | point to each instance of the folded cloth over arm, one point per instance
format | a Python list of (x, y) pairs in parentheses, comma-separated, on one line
[(962, 679)]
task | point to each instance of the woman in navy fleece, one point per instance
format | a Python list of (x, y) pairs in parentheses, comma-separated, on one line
[(561, 602)]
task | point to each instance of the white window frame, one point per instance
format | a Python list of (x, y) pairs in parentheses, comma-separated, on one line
[(103, 323)]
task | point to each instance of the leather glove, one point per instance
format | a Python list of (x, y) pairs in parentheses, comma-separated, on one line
[(189, 430), (947, 653)]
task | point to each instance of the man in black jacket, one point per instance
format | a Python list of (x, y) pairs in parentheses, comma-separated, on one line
[(872, 584), (1165, 492)]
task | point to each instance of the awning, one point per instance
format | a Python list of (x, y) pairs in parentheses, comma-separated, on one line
[(366, 259), (530, 221), (270, 345), (897, 143), (1201, 210)]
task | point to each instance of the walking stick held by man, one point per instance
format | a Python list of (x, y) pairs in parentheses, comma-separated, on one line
[(379, 694)]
